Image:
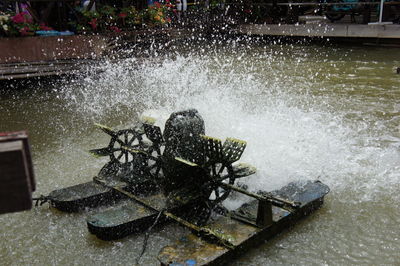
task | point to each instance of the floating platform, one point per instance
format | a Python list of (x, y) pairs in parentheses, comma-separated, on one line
[(245, 235), (157, 187), (131, 217), (91, 195), (77, 198), (325, 30)]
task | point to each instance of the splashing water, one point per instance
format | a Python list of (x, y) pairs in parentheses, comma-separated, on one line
[(306, 112), (291, 133)]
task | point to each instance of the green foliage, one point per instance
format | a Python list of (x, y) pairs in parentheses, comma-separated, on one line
[(216, 3), (129, 17), (156, 14)]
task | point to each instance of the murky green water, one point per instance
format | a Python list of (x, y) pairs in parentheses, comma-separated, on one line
[(307, 111)]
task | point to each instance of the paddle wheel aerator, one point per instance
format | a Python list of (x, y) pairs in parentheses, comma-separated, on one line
[(183, 175)]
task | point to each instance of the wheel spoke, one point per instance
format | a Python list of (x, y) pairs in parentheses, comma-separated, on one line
[(219, 172), (120, 142), (214, 170), (126, 157), (131, 141), (221, 169), (158, 171), (132, 152), (151, 157), (216, 191)]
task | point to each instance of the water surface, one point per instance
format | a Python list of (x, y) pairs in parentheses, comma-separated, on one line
[(307, 112)]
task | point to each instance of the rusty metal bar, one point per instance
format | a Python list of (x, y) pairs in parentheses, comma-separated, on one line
[(287, 204)]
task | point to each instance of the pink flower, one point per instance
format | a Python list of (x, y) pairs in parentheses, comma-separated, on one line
[(18, 18), (93, 23), (157, 4), (22, 17), (115, 29)]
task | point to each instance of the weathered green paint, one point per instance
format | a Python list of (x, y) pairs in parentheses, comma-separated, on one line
[(148, 120), (243, 169)]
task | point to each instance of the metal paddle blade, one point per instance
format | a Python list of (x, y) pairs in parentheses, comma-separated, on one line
[(212, 148), (148, 120), (243, 169), (233, 150), (153, 133), (189, 163), (100, 152), (106, 129)]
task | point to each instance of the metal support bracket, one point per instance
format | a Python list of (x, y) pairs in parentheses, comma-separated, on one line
[(264, 213)]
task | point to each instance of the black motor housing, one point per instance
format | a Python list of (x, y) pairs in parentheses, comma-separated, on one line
[(182, 140)]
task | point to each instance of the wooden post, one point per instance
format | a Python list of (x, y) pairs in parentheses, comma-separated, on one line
[(16, 173)]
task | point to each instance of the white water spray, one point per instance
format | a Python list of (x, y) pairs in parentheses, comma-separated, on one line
[(290, 135)]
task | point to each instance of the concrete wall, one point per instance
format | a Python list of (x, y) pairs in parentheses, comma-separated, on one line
[(34, 49), (323, 30)]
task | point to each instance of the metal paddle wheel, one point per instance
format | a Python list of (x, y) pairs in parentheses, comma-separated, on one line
[(134, 156), (206, 187), (181, 175), (133, 164)]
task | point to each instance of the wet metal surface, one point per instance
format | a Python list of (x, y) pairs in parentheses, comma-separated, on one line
[(243, 235), (79, 191)]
